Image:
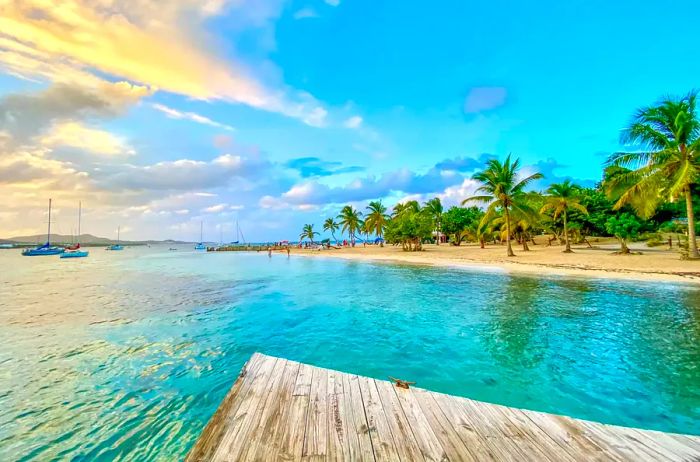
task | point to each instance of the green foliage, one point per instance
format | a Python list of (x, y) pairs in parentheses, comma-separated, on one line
[(409, 226), (504, 191), (667, 165), (308, 233), (351, 221), (377, 218), (331, 226), (624, 227), (457, 220)]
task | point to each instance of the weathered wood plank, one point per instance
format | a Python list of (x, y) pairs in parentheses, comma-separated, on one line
[(290, 444), (382, 439), (264, 440), (279, 410), (570, 436), (477, 444), (244, 415), (316, 436), (454, 448), (219, 423), (358, 428)]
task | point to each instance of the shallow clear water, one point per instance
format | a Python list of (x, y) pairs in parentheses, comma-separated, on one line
[(125, 355)]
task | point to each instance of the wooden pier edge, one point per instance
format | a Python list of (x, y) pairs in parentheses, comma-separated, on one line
[(214, 431), (284, 410)]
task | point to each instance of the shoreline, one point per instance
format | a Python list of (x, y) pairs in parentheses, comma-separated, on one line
[(429, 257)]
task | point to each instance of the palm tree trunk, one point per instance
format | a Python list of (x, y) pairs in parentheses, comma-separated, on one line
[(523, 238), (566, 235), (510, 249), (692, 243)]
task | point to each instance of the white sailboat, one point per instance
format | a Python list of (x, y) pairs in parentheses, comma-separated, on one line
[(200, 245)]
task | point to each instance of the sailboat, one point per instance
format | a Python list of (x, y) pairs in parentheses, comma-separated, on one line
[(46, 249), (239, 235), (200, 245), (116, 246), (74, 250)]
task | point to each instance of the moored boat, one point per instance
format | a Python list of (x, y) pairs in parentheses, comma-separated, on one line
[(74, 250), (116, 246), (46, 249)]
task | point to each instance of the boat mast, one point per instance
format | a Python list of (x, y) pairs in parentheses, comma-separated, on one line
[(118, 230), (80, 210), (201, 231), (48, 233)]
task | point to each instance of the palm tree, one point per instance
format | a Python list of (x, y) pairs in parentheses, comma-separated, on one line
[(406, 207), (434, 208), (308, 233), (560, 198), (332, 226), (668, 165), (377, 219), (350, 220), (502, 191)]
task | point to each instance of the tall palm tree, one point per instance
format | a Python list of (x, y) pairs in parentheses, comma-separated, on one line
[(350, 219), (332, 226), (667, 166), (502, 191), (434, 208), (377, 219), (308, 233), (560, 198)]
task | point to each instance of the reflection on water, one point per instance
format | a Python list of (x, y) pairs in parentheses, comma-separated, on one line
[(125, 356)]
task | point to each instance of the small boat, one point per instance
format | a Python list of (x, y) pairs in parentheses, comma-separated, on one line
[(74, 250), (200, 245), (116, 246), (46, 249)]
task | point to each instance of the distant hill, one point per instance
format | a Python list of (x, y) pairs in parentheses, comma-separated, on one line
[(86, 239)]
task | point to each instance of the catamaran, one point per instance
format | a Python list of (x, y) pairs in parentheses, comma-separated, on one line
[(46, 249), (74, 250), (116, 246), (200, 245)]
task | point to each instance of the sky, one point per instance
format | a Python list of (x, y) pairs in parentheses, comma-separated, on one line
[(159, 116)]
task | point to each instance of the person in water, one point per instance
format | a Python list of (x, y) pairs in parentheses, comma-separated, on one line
[(269, 251)]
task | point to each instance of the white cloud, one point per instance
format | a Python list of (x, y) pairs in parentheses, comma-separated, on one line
[(215, 208), (162, 45), (200, 119), (353, 122), (76, 135), (332, 2)]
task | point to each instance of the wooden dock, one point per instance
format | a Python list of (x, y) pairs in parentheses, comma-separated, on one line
[(281, 410)]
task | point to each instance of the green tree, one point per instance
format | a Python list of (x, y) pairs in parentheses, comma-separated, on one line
[(502, 191), (624, 226), (331, 226), (308, 233), (410, 227), (668, 164), (434, 208), (377, 219), (351, 221), (562, 197), (457, 220)]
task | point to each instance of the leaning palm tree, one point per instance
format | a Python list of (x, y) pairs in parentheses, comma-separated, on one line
[(668, 164), (434, 209), (350, 219), (561, 197), (502, 191), (308, 233), (331, 226), (377, 219)]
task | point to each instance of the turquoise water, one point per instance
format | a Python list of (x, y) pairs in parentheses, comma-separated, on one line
[(125, 355)]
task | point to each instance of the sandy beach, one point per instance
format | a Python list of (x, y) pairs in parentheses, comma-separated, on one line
[(653, 264)]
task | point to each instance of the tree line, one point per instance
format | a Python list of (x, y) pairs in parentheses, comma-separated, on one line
[(643, 193)]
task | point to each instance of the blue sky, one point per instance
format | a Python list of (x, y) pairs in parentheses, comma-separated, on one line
[(278, 113)]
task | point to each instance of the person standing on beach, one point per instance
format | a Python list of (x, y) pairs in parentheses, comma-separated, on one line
[(269, 251), (287, 251)]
